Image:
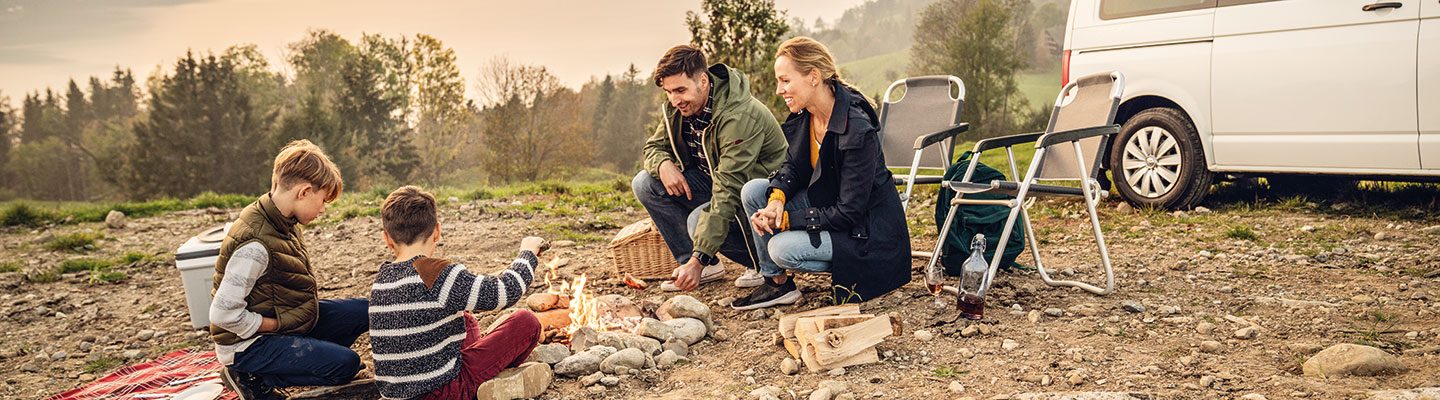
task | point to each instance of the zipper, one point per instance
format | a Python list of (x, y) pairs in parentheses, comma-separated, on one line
[(669, 130)]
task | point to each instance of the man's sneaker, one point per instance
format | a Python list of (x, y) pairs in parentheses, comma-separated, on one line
[(246, 386), (708, 274), (768, 295), (751, 278), (525, 381)]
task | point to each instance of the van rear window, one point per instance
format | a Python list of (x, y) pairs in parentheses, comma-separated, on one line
[(1112, 9)]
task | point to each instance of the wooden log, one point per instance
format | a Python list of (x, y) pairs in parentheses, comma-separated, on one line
[(807, 327), (839, 344), (793, 347), (541, 302), (787, 323)]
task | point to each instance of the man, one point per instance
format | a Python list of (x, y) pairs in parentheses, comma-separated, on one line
[(716, 137)]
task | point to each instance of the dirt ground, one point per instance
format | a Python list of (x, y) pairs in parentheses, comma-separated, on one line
[(1308, 275)]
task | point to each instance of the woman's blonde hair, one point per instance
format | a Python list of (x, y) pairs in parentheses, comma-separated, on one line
[(810, 55)]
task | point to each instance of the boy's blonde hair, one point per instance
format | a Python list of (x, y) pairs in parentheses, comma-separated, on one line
[(302, 161)]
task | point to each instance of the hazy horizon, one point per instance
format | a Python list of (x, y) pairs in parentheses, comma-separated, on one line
[(46, 43)]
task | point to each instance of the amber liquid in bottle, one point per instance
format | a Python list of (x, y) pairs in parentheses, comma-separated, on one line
[(971, 307)]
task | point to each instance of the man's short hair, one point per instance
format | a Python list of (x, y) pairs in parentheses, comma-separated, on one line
[(408, 215), (682, 59), (302, 161)]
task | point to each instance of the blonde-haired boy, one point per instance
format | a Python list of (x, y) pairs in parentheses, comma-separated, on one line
[(269, 326)]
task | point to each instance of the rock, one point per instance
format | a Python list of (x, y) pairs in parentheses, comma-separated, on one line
[(768, 390), (523, 382), (668, 359), (836, 372), (1347, 359), (1124, 208), (115, 220), (924, 335), (1008, 345), (965, 353), (1075, 378), (560, 244), (757, 315), (582, 363), (1406, 394), (541, 302), (549, 353), (1033, 316), (145, 335), (1307, 229), (1168, 310), (675, 346), (1210, 346), (655, 329), (625, 340), (1205, 328), (1207, 381), (1247, 333), (836, 387), (789, 366), (956, 387), (969, 331), (821, 394), (688, 330), (1253, 396), (132, 354), (1054, 312), (624, 360), (1205, 254), (1362, 299), (591, 379), (1132, 306), (59, 355), (610, 381), (684, 306), (1202, 210), (748, 372)]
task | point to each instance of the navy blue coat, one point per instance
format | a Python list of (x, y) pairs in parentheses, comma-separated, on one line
[(852, 195)]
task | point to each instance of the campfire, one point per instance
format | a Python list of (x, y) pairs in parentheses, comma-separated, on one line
[(567, 306)]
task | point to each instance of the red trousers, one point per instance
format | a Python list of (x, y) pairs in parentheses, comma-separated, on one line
[(484, 355)]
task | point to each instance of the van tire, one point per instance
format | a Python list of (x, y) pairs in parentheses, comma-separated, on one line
[(1176, 139)]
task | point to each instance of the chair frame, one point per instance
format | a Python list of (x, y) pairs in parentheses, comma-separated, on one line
[(946, 135), (1089, 189)]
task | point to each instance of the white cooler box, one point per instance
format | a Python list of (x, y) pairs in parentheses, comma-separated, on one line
[(196, 261)]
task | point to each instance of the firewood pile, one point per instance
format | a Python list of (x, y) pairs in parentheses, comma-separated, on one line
[(837, 336)]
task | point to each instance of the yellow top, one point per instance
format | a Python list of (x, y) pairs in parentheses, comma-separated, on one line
[(814, 148)]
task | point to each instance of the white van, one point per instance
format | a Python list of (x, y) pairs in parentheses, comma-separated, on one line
[(1261, 87)]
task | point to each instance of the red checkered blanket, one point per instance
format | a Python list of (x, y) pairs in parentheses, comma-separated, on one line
[(169, 374)]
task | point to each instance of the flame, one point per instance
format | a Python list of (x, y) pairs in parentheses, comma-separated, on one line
[(582, 307)]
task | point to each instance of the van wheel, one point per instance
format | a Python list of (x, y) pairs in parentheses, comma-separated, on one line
[(1157, 161)]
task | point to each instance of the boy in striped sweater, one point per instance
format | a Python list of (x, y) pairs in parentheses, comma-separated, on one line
[(425, 342)]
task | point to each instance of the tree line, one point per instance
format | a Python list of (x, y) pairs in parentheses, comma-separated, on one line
[(393, 110)]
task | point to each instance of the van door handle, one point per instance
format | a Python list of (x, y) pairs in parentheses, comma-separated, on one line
[(1381, 5)]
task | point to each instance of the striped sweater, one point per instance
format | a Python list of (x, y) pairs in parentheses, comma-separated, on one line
[(416, 308)]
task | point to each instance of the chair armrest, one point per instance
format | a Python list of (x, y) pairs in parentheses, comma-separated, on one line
[(1077, 134), (932, 138), (1006, 141)]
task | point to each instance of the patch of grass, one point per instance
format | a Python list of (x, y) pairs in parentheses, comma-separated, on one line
[(43, 277), (22, 214), (100, 276), (9, 266), (948, 371), (75, 242), (84, 264), (134, 257), (1242, 233), (26, 214), (104, 363)]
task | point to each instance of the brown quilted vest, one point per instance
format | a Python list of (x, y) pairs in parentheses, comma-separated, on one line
[(287, 291)]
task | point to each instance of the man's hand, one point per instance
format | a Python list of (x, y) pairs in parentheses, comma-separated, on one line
[(687, 277), (673, 180), (534, 244)]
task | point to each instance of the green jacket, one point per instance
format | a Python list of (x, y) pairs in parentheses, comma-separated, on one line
[(743, 142), (287, 291)]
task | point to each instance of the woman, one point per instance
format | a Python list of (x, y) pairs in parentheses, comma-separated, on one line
[(832, 206)]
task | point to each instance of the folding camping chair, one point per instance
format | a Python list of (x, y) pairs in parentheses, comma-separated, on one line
[(927, 114), (1068, 150)]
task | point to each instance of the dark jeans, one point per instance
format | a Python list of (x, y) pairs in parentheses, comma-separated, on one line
[(321, 357), (675, 216)]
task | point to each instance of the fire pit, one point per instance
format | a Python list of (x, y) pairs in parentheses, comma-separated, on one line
[(567, 306)]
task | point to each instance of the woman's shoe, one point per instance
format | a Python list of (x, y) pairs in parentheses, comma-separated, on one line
[(751, 278), (768, 295)]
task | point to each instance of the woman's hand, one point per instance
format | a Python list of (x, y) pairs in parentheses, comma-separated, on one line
[(767, 220)]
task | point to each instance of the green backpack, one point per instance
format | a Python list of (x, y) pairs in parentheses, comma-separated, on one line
[(974, 218)]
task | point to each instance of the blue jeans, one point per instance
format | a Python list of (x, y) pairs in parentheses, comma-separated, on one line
[(676, 216), (789, 250), (321, 357)]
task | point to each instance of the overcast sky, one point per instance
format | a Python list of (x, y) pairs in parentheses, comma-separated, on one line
[(46, 42)]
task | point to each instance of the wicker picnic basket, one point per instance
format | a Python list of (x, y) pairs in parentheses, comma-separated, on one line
[(639, 250)]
